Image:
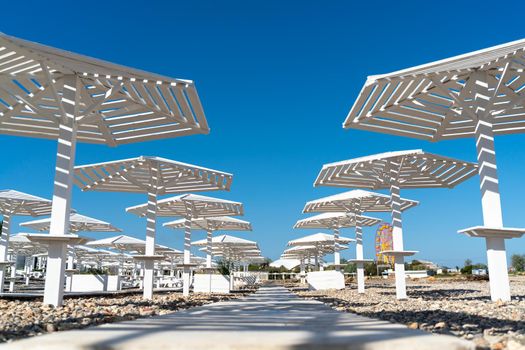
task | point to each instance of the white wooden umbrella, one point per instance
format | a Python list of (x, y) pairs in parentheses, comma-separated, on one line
[(154, 176), (320, 239), (478, 94), (395, 170), (356, 202), (55, 94), (211, 225), (336, 221), (189, 206), (16, 203), (324, 243), (77, 223), (305, 251), (136, 247)]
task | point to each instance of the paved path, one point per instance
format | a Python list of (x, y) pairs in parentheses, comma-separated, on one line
[(272, 318)]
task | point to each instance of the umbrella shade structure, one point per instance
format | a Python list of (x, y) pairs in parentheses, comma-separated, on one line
[(233, 249), (21, 243), (406, 169), (477, 95), (153, 176), (201, 207), (115, 104), (148, 174), (288, 264), (322, 242), (360, 200), (230, 247), (319, 239), (78, 223), (120, 243), (305, 251), (210, 225), (395, 170), (189, 206), (13, 203), (335, 221), (54, 94), (124, 243), (356, 202), (225, 240)]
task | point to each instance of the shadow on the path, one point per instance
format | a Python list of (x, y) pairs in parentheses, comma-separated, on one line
[(270, 309)]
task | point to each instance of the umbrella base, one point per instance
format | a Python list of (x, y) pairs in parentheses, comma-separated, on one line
[(488, 232), (398, 252), (360, 260)]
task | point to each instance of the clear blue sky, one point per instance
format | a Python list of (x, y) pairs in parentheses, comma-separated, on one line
[(276, 79)]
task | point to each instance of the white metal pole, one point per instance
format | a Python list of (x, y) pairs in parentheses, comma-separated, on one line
[(69, 275), (397, 236), (14, 257), (208, 248), (27, 269), (208, 257), (337, 255), (186, 277), (63, 184), (4, 243), (302, 274), (149, 264), (492, 214), (359, 254)]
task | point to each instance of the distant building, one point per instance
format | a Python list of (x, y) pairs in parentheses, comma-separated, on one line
[(479, 272), (429, 265)]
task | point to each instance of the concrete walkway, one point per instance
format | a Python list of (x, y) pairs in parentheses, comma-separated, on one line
[(272, 318)]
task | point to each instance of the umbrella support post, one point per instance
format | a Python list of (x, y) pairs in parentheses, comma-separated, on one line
[(27, 269), (360, 277), (208, 248), (63, 184), (151, 226), (4, 242), (359, 255), (148, 279), (186, 277), (397, 237), (337, 255), (492, 214), (302, 273), (14, 256)]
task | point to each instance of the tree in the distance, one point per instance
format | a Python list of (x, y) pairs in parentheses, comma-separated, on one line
[(518, 262)]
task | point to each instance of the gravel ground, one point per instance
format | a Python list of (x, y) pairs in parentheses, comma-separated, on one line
[(458, 307), (20, 319)]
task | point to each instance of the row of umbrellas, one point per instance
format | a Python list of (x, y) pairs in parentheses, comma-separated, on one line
[(54, 94), (479, 95)]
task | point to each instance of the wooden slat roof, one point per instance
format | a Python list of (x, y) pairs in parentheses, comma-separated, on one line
[(444, 99), (355, 200), (19, 203), (77, 223), (136, 175), (334, 220), (117, 104), (213, 223), (417, 169), (203, 206)]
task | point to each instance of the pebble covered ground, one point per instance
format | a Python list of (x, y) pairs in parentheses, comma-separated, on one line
[(20, 319), (457, 307)]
